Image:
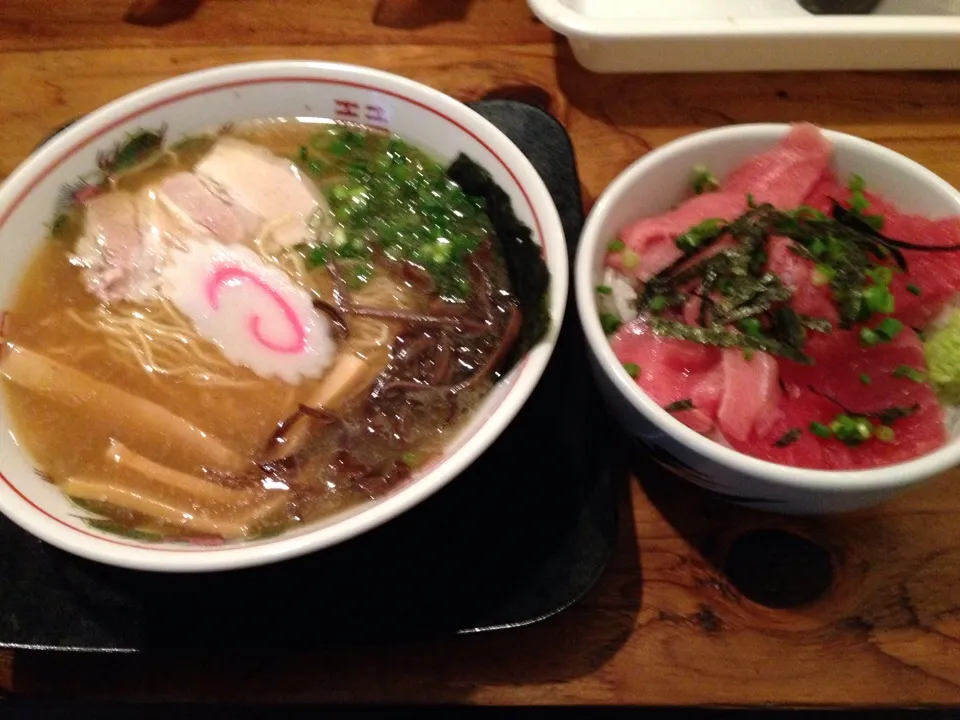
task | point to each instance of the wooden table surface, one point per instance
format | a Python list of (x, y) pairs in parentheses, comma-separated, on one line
[(703, 604)]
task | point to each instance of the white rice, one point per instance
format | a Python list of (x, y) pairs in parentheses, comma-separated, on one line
[(622, 299)]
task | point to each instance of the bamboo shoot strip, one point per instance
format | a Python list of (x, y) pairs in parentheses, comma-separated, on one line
[(189, 485), (232, 524), (129, 413), (348, 376)]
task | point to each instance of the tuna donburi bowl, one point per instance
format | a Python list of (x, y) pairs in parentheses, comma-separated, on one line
[(266, 312), (782, 308)]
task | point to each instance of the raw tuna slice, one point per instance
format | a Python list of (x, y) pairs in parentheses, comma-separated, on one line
[(796, 414), (784, 175), (652, 239), (841, 362), (797, 274), (751, 395), (670, 370), (937, 274)]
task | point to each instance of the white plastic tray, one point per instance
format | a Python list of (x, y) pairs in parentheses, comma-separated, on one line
[(725, 35)]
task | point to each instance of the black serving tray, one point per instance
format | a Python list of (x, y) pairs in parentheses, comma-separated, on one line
[(518, 537)]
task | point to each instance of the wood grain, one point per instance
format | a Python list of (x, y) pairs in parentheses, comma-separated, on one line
[(664, 626), (58, 24)]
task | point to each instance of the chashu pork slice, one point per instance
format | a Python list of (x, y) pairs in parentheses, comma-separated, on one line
[(201, 211), (123, 245), (263, 185)]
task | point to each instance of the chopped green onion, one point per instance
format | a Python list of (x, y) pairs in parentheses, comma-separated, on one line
[(820, 430), (851, 430), (817, 247), (856, 184), (889, 328), (610, 323), (691, 239), (630, 259), (703, 180), (633, 370), (865, 379), (822, 275), (616, 246), (905, 371), (858, 202), (881, 275), (913, 289), (878, 299), (679, 405), (868, 338), (410, 459), (604, 289), (751, 202), (864, 428), (748, 354), (658, 303), (750, 326), (874, 221), (885, 434)]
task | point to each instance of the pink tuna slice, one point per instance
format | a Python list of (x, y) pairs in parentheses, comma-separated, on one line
[(751, 394), (263, 185), (670, 369), (797, 274), (200, 210), (809, 450), (121, 246), (937, 274), (783, 176), (840, 362)]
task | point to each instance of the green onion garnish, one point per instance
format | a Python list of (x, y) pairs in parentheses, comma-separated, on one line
[(865, 379), (868, 338), (616, 246), (905, 371), (889, 328), (610, 323), (913, 289), (750, 326), (658, 303), (885, 434), (820, 430), (604, 289), (878, 299), (881, 275), (703, 180), (633, 370)]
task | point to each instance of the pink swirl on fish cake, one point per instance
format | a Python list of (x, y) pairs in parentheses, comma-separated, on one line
[(226, 274)]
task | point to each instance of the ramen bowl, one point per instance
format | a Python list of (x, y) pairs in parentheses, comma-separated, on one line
[(199, 102), (653, 185)]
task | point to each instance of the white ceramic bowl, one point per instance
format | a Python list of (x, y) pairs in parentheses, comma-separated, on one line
[(207, 99), (652, 185)]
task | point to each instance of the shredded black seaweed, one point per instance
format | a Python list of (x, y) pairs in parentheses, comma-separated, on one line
[(788, 438), (529, 277), (885, 416), (679, 405), (724, 338)]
